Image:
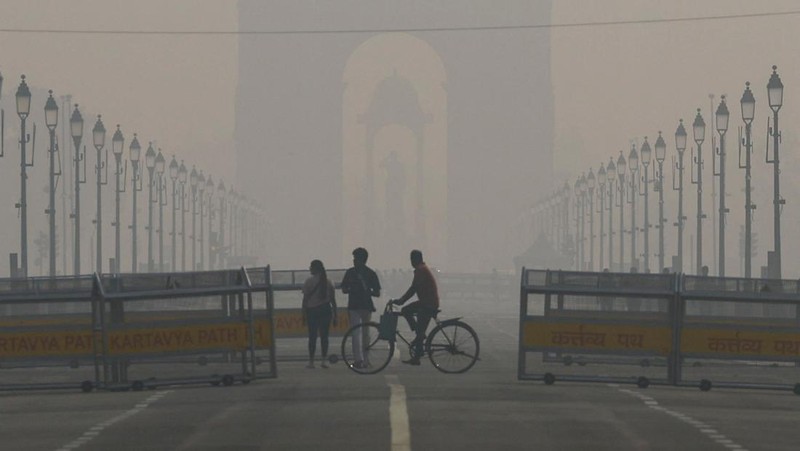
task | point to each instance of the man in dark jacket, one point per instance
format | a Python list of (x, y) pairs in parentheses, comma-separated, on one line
[(360, 284)]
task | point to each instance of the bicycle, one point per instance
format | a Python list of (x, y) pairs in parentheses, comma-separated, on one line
[(452, 345)]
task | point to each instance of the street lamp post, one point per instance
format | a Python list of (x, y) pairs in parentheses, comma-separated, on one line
[(150, 163), (721, 118), (233, 222), (601, 182), (160, 166), (680, 146), (209, 213), (646, 155), (579, 221), (621, 168), (136, 185), (221, 233), (775, 95), (23, 110), (661, 155), (182, 181), (173, 175), (633, 166), (611, 173), (699, 134), (51, 120), (193, 181), (117, 143), (76, 130), (99, 140), (590, 184), (748, 104)]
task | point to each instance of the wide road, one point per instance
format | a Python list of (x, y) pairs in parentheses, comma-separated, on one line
[(406, 408)]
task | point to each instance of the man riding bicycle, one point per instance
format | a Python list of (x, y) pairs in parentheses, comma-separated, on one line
[(424, 308)]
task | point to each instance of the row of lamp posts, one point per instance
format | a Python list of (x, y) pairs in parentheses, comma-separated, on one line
[(614, 190), (200, 187)]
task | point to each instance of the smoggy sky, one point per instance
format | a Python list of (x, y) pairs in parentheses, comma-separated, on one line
[(612, 84)]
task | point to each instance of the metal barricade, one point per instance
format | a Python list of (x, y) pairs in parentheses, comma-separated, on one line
[(48, 331), (681, 330), (122, 331), (738, 332), (286, 293), (182, 328), (609, 327)]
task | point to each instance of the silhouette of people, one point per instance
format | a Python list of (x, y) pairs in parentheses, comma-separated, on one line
[(424, 308), (319, 309), (360, 284)]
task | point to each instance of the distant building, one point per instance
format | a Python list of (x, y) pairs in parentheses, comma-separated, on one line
[(432, 140)]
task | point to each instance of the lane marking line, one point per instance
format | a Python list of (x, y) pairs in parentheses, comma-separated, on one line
[(398, 415), (95, 430), (702, 427)]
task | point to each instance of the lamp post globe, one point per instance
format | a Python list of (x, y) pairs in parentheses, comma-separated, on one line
[(23, 99), (76, 125), (117, 142), (680, 138), (99, 133), (699, 128), (135, 150), (51, 112), (775, 90), (160, 163), (722, 116)]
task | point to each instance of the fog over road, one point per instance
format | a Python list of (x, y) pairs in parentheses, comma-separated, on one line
[(415, 407)]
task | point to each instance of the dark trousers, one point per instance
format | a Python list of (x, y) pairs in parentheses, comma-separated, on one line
[(319, 323), (419, 324)]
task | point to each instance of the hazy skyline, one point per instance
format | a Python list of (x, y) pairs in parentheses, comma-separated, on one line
[(611, 84)]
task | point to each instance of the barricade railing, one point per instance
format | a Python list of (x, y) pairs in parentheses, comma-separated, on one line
[(182, 328), (121, 331), (659, 328), (48, 332)]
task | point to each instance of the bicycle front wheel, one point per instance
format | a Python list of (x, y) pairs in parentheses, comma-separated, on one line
[(453, 347), (362, 350)]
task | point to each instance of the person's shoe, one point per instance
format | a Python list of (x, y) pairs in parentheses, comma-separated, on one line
[(310, 365), (324, 364), (412, 361)]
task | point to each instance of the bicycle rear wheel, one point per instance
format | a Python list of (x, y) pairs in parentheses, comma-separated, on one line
[(453, 347), (362, 350)]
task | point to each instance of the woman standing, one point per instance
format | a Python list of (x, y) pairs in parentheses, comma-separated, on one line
[(319, 308)]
